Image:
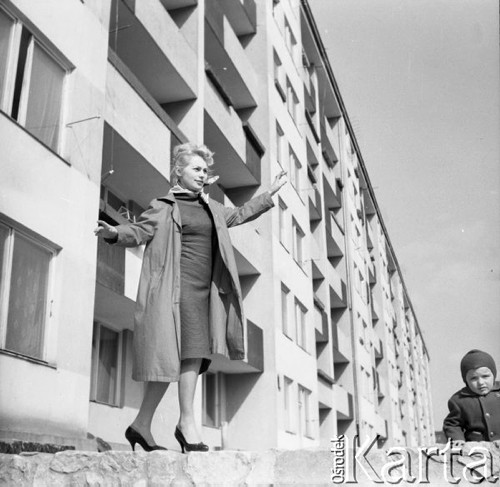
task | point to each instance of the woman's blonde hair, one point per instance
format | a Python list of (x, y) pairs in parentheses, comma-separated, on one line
[(181, 155)]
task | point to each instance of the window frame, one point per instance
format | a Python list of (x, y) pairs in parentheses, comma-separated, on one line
[(119, 393), (292, 101), (47, 354), (278, 73), (294, 166), (286, 327), (36, 37), (289, 37), (280, 152), (300, 321), (282, 223), (290, 425), (304, 408), (297, 243)]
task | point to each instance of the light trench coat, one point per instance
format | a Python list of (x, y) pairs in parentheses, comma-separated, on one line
[(157, 313)]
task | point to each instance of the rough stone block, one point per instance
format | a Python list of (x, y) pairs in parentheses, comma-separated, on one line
[(227, 468)]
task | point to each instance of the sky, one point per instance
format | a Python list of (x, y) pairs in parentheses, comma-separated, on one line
[(420, 80)]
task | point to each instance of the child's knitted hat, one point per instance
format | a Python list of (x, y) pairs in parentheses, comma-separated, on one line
[(475, 359)]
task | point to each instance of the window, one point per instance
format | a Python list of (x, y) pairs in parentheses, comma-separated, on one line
[(279, 145), (298, 236), (290, 40), (278, 76), (25, 265), (107, 350), (288, 405), (31, 82), (291, 100), (211, 392), (294, 170), (364, 337), (282, 221), (300, 325), (285, 322), (305, 419)]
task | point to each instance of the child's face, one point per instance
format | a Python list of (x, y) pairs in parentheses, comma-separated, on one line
[(480, 381)]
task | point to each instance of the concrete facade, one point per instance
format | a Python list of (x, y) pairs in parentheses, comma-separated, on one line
[(333, 343)]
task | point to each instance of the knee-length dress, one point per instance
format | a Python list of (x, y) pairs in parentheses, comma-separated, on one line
[(198, 241)]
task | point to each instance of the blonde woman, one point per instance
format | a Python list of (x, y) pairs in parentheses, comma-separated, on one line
[(189, 303)]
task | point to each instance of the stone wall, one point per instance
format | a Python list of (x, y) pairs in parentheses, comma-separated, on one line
[(234, 468)]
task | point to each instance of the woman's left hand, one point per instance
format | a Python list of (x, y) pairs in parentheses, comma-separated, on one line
[(279, 181)]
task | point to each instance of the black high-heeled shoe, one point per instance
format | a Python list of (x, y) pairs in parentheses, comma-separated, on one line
[(188, 446), (134, 437)]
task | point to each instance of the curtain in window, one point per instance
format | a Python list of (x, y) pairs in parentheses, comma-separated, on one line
[(5, 30), (108, 366), (28, 297), (45, 98)]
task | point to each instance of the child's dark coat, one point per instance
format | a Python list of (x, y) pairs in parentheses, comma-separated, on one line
[(473, 417)]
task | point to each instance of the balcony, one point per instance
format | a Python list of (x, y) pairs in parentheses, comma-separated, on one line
[(369, 236), (326, 144), (334, 238), (344, 403), (123, 166), (321, 322), (312, 136), (381, 387), (310, 98), (148, 41), (139, 120), (241, 14), (372, 275), (341, 344), (379, 350), (325, 389), (111, 266), (338, 289), (175, 4), (332, 196), (315, 213), (237, 160), (381, 426), (369, 205), (254, 359), (227, 59), (117, 277)]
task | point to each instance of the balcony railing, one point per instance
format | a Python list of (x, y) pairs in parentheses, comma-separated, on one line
[(328, 150), (227, 59), (321, 335), (331, 194), (242, 14), (315, 212), (148, 41), (254, 151), (344, 403), (341, 345)]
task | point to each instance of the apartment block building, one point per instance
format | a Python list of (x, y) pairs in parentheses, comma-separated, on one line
[(94, 95)]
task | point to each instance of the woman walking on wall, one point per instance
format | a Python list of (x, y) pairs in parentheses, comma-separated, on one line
[(189, 302)]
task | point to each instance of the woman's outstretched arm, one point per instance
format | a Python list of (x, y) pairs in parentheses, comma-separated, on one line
[(256, 206), (132, 234)]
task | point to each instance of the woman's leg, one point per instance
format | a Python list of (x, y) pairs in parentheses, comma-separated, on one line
[(190, 369), (152, 396)]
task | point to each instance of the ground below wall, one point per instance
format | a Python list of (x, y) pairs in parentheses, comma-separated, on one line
[(231, 468)]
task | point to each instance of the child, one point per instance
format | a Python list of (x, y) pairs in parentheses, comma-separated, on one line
[(475, 410)]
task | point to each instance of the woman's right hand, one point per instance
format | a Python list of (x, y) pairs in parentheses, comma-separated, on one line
[(105, 230)]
